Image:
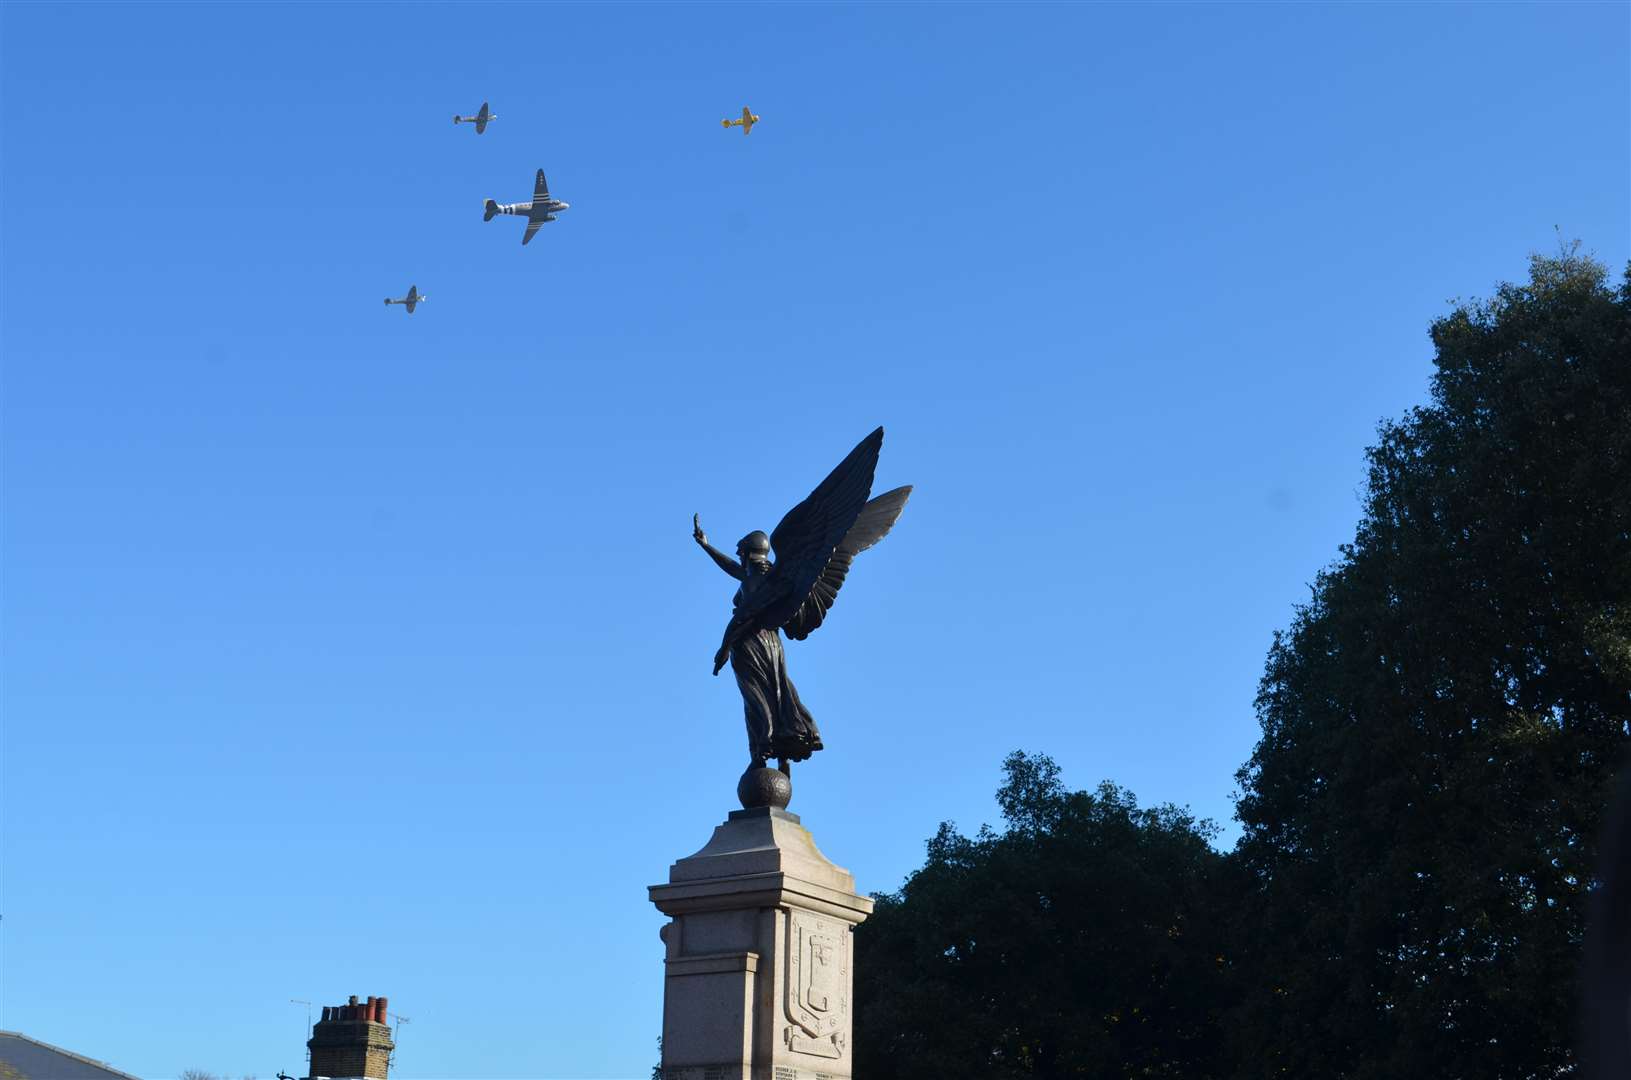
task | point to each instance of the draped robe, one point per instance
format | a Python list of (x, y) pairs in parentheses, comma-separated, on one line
[(778, 724)]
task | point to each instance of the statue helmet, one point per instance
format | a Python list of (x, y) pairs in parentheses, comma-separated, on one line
[(754, 543)]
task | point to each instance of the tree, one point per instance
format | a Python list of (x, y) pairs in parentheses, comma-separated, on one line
[(1442, 722), (1078, 942)]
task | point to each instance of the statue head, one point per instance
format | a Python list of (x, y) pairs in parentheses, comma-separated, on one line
[(755, 545)]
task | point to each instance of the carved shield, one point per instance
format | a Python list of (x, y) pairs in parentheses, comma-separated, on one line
[(817, 984)]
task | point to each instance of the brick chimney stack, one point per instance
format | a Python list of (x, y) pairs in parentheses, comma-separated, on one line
[(352, 1041)]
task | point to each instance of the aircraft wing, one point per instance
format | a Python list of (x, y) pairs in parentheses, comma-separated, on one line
[(533, 225), (540, 190), (482, 117), (747, 120)]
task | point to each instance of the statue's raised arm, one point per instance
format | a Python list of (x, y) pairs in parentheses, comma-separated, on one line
[(814, 545), (726, 563)]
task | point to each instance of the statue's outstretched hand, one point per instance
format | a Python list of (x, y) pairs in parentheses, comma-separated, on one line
[(720, 657), (696, 530)]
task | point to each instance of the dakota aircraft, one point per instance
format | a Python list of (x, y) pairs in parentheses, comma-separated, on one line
[(410, 301), (746, 123), (480, 119), (542, 208)]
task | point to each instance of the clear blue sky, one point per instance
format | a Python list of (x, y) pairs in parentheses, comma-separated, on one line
[(354, 653)]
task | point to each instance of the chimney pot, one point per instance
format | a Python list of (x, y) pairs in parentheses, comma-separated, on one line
[(353, 1047)]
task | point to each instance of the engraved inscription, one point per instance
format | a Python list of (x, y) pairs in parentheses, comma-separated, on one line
[(714, 1072), (785, 1072), (828, 1048)]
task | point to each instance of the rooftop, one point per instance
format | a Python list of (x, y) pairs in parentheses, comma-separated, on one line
[(22, 1058)]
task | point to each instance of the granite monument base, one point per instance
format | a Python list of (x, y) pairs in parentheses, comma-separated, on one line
[(760, 960)]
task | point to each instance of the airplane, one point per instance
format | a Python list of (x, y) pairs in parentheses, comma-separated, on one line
[(408, 301), (542, 208), (746, 123), (480, 119)]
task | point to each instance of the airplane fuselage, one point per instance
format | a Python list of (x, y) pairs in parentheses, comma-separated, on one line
[(544, 211)]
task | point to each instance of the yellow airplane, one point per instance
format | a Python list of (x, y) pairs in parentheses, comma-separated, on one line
[(746, 123)]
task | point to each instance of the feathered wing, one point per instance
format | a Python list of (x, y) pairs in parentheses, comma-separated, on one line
[(877, 518), (809, 534)]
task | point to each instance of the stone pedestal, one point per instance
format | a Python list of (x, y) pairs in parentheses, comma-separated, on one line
[(760, 955)]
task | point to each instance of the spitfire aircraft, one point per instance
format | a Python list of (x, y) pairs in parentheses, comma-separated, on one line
[(480, 119), (410, 301), (746, 123), (542, 208)]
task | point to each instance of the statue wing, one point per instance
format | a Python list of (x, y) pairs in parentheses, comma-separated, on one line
[(877, 517), (805, 540), (812, 530)]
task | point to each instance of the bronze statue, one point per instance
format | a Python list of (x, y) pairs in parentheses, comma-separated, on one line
[(814, 545)]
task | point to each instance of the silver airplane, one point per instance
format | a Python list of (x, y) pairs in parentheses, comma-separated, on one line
[(410, 301), (542, 208), (480, 119)]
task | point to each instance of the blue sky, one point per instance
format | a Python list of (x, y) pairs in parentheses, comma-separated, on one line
[(348, 652)]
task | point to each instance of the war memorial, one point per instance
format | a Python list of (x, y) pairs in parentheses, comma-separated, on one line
[(759, 953)]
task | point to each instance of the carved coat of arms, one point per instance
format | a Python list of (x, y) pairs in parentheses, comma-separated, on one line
[(817, 985)]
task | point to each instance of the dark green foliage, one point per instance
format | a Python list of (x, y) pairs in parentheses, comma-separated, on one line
[(1078, 943), (1441, 726), (1443, 720)]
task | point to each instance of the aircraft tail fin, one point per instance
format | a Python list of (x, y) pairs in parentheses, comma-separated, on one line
[(492, 209), (457, 119)]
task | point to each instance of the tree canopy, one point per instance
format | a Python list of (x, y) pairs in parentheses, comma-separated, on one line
[(1442, 723), (1081, 941)]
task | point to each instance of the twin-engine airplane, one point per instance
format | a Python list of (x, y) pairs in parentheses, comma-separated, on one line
[(542, 208), (480, 119), (746, 123), (410, 301)]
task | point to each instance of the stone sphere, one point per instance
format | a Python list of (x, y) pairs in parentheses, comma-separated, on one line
[(764, 787)]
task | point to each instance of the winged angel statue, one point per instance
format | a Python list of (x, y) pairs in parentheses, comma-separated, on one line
[(814, 545)]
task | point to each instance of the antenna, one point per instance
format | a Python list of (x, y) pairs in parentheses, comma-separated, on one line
[(307, 1038), (396, 1038)]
